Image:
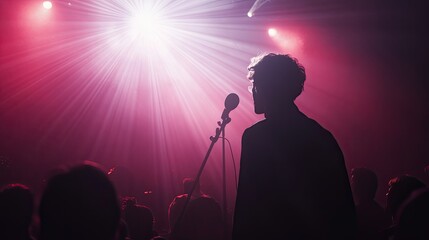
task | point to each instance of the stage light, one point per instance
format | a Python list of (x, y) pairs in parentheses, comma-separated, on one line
[(47, 4), (144, 23), (256, 5), (272, 32), (145, 27)]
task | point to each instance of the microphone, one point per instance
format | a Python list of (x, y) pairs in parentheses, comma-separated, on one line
[(231, 102)]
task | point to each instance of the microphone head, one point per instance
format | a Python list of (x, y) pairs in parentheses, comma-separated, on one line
[(231, 101)]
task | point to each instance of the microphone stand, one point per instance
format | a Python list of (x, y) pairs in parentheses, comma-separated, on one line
[(225, 209), (221, 129)]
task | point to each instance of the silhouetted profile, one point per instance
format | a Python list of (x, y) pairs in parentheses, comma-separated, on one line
[(400, 188), (293, 182), (202, 218), (413, 221), (16, 212), (139, 220), (80, 204), (371, 217)]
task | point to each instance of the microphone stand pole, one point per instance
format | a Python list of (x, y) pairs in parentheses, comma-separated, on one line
[(213, 139), (225, 209)]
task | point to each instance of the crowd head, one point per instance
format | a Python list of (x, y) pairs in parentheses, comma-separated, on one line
[(79, 204)]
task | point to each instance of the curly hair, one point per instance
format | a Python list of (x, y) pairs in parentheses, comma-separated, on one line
[(280, 74)]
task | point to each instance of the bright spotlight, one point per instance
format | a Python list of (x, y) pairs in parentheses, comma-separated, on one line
[(47, 4), (145, 24), (256, 5), (272, 32)]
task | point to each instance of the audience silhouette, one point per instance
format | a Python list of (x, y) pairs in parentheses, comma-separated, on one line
[(80, 204), (16, 212), (400, 188), (371, 217), (139, 220), (413, 220), (202, 218), (293, 182)]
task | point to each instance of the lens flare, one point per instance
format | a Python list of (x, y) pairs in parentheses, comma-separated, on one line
[(272, 32), (47, 4)]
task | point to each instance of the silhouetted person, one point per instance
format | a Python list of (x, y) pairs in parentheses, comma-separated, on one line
[(413, 220), (202, 218), (371, 217), (80, 204), (176, 206), (293, 182), (139, 220), (16, 212), (400, 188)]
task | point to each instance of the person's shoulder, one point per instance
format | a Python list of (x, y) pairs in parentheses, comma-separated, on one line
[(145, 208), (181, 197), (311, 130), (205, 203), (178, 202), (256, 131), (207, 197), (315, 127), (261, 125)]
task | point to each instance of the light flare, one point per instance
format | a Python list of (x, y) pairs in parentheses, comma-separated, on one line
[(47, 4), (272, 32), (287, 40)]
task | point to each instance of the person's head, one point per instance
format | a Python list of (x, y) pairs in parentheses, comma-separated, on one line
[(188, 183), (364, 184), (16, 210), (277, 80), (400, 188), (139, 219), (79, 204)]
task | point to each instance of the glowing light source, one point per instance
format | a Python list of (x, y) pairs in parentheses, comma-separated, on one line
[(272, 32), (145, 27), (144, 23), (256, 5), (47, 4)]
